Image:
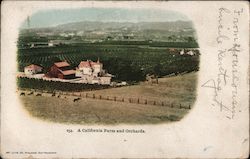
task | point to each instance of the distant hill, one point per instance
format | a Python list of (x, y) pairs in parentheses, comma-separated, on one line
[(87, 25), (157, 31), (141, 26)]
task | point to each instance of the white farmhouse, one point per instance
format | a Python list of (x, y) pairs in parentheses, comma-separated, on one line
[(84, 68), (32, 69), (93, 73)]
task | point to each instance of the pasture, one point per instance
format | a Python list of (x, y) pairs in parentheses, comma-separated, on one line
[(66, 109)]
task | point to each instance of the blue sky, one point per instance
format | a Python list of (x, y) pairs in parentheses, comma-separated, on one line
[(47, 18)]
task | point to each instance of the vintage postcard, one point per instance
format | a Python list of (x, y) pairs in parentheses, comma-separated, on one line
[(150, 79)]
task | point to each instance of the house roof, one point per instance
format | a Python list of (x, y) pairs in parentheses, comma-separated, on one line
[(89, 63), (62, 64), (33, 66), (84, 64), (68, 72)]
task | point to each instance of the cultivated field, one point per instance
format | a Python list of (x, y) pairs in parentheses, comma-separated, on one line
[(126, 62), (178, 90)]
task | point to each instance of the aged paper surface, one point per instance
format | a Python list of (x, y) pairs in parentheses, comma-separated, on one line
[(124, 79)]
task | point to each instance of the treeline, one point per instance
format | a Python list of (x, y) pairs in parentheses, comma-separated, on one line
[(192, 44), (52, 86)]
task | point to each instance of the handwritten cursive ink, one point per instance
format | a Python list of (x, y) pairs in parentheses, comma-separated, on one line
[(227, 79), (221, 36)]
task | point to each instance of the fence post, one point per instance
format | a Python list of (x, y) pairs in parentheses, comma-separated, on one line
[(162, 103), (100, 96), (86, 95), (189, 107), (93, 95), (122, 99), (146, 102), (154, 102), (114, 98), (172, 105), (180, 106), (138, 100)]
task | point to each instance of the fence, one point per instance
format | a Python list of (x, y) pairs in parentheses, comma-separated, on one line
[(132, 100)]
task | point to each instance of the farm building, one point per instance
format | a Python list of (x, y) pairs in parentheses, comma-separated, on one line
[(32, 69), (105, 79), (61, 70), (191, 53), (93, 72), (187, 52), (90, 68), (37, 44)]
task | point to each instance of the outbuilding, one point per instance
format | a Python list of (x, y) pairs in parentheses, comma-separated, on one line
[(32, 69)]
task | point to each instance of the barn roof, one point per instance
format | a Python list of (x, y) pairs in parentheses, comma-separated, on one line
[(62, 64), (68, 72), (33, 66)]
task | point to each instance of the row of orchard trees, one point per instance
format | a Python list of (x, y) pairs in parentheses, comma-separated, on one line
[(130, 63), (134, 68)]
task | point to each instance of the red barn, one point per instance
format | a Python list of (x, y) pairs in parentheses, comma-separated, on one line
[(61, 70)]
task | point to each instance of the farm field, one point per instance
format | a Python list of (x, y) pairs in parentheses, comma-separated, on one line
[(178, 89)]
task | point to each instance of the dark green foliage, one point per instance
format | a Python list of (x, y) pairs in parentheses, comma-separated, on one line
[(129, 61), (52, 86)]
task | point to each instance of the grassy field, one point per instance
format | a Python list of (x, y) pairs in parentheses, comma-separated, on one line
[(88, 111), (179, 89)]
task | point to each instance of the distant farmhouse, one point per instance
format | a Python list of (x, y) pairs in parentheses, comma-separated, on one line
[(50, 43), (93, 72), (37, 44), (61, 70), (32, 69), (187, 52)]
